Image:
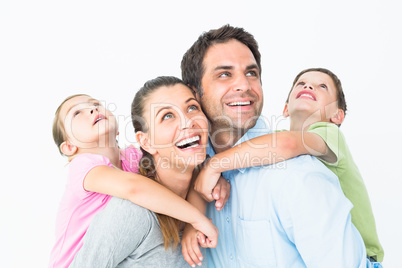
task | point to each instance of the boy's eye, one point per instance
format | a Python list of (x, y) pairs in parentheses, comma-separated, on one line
[(192, 108), (167, 116)]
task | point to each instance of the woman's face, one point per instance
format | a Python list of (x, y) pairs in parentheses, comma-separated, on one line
[(177, 127)]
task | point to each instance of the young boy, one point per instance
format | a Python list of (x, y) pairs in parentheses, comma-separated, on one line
[(316, 107)]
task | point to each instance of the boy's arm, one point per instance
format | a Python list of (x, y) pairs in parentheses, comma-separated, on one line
[(264, 150), (138, 189)]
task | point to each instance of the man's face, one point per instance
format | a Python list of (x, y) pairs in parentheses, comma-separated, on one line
[(232, 93)]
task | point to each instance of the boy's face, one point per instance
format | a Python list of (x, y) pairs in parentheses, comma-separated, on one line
[(314, 94)]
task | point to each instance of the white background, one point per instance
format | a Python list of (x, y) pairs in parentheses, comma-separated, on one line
[(52, 49)]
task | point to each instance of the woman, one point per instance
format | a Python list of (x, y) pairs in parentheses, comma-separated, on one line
[(172, 131)]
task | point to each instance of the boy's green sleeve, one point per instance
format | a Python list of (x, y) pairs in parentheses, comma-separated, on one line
[(332, 136)]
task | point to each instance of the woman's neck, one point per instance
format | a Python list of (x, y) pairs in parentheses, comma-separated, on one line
[(178, 181)]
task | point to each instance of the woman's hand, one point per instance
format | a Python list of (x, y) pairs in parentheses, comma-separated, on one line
[(190, 241)]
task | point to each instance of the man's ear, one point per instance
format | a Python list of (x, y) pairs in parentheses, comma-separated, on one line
[(68, 148), (338, 117), (144, 142), (285, 112)]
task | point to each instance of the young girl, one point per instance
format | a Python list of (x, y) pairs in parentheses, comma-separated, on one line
[(85, 131), (172, 131), (316, 106)]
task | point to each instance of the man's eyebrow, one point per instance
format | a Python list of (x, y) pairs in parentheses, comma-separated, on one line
[(228, 67)]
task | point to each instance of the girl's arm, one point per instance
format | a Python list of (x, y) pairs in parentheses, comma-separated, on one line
[(148, 194), (264, 150)]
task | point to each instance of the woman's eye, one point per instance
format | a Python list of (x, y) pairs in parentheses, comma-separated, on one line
[(167, 116), (192, 108), (300, 84), (76, 113), (324, 86)]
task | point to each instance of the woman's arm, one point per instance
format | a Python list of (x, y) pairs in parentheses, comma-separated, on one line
[(148, 194), (264, 150)]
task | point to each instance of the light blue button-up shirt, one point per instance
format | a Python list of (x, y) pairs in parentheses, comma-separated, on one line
[(291, 214)]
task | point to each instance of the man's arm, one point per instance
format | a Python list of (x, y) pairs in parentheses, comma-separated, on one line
[(113, 235)]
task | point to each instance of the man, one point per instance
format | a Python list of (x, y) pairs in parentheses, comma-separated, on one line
[(288, 215)]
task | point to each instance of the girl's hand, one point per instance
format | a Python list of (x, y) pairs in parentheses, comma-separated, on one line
[(189, 245)]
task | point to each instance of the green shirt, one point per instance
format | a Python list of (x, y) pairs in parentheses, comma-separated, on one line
[(352, 185)]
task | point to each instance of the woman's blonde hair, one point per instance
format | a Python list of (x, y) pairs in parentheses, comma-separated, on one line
[(59, 132)]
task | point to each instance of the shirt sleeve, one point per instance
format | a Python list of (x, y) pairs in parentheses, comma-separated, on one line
[(114, 234), (321, 226), (79, 168), (332, 136)]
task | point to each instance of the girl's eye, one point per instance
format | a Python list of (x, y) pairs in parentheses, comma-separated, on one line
[(167, 116), (192, 108)]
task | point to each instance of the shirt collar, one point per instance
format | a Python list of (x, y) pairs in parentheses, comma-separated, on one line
[(261, 128)]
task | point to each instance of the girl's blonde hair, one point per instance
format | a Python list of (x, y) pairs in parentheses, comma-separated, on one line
[(59, 132)]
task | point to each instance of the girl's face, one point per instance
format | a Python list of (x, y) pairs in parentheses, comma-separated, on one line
[(178, 129), (87, 123)]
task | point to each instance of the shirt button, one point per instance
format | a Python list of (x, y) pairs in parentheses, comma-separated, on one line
[(231, 256), (228, 180), (227, 219)]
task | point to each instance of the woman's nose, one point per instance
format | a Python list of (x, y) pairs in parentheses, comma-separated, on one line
[(187, 123)]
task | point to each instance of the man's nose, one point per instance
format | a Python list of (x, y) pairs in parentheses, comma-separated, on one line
[(241, 83)]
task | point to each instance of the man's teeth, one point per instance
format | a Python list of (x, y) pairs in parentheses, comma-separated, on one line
[(239, 103), (187, 143)]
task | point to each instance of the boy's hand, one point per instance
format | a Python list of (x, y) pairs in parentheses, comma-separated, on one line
[(221, 193), (206, 182)]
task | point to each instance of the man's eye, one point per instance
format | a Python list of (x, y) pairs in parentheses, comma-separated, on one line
[(167, 116), (225, 74), (251, 73), (192, 108)]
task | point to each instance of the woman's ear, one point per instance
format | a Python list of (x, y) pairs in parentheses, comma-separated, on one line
[(338, 117), (144, 142), (68, 148), (285, 111)]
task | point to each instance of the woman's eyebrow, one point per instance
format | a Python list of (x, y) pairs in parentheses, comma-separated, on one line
[(163, 108)]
